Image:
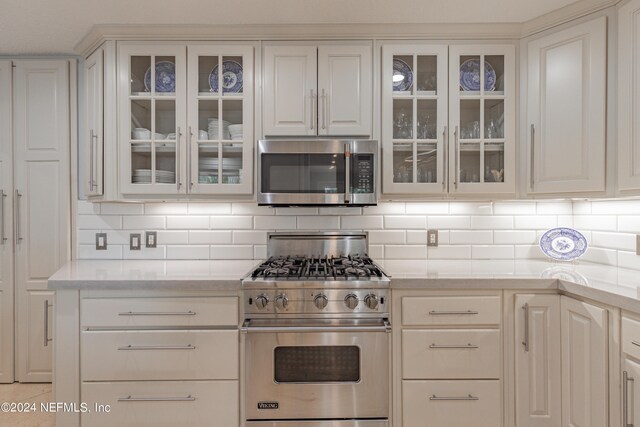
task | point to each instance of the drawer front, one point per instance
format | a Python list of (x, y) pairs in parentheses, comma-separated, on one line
[(451, 404), (631, 337), (440, 311), (159, 355), (144, 312), (451, 354), (162, 403)]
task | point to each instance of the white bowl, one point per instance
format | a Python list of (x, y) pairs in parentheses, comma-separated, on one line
[(159, 136), (203, 134), (235, 129), (141, 133)]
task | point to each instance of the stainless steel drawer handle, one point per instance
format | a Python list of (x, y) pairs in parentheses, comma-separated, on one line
[(626, 379), (158, 347), (158, 313), (247, 328), (470, 346), (525, 342), (3, 238), (46, 323), (188, 398), (469, 397), (17, 208), (450, 313), (635, 343)]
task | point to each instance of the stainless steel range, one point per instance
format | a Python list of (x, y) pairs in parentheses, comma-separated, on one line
[(317, 337)]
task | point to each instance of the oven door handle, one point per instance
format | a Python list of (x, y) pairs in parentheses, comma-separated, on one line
[(247, 328)]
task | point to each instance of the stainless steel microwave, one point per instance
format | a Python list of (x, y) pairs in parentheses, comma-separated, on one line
[(314, 172)]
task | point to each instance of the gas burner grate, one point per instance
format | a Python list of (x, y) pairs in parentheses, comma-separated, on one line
[(315, 268)]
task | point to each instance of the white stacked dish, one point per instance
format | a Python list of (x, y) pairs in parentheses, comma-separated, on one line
[(236, 132), (214, 127), (143, 176)]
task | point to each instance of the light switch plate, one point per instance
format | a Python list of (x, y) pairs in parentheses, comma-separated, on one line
[(432, 238), (151, 239), (134, 241), (101, 241)]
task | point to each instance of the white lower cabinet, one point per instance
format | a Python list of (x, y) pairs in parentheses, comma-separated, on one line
[(451, 403), (162, 403), (631, 392), (584, 364), (537, 361)]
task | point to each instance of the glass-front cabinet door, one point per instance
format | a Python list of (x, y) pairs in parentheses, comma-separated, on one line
[(414, 118), (482, 119), (152, 88), (220, 119)]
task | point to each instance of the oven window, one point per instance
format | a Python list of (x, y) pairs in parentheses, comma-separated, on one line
[(317, 364), (302, 173)]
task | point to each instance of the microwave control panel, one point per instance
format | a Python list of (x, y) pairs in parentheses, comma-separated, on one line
[(362, 173)]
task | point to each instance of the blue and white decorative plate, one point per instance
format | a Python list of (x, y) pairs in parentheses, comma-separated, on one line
[(165, 77), (231, 77), (470, 76), (563, 244), (402, 76)]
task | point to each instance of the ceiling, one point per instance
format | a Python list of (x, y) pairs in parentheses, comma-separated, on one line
[(56, 26)]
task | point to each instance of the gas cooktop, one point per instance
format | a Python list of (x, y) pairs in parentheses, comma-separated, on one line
[(351, 267)]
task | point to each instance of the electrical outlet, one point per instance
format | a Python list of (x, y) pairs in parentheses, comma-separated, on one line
[(134, 241), (101, 241), (151, 239), (432, 237)]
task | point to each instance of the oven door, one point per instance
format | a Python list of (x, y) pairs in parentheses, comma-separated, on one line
[(316, 172), (302, 370)]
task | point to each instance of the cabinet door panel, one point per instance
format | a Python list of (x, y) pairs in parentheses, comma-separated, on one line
[(35, 364), (629, 96), (537, 364), (42, 198), (584, 364), (344, 90), (94, 137), (567, 109), (6, 221), (290, 90), (632, 368)]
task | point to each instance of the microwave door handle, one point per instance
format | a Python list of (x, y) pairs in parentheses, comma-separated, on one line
[(347, 173)]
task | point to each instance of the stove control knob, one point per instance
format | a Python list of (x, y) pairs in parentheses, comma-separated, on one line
[(261, 301), (320, 301), (371, 301), (281, 302), (351, 301)]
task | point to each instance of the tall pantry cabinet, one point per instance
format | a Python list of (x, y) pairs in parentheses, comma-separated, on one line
[(34, 209)]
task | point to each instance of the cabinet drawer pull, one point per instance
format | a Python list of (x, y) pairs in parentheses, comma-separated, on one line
[(311, 114), (532, 176), (3, 238), (46, 323), (525, 342), (158, 347), (469, 397), (625, 399), (450, 313), (188, 398), (636, 343), (470, 346), (445, 162), (158, 313)]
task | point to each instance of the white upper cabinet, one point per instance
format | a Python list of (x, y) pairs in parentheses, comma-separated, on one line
[(93, 153), (566, 110), (629, 96), (186, 123), (414, 118), (314, 90), (482, 100)]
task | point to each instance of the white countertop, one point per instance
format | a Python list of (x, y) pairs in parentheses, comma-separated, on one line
[(608, 285)]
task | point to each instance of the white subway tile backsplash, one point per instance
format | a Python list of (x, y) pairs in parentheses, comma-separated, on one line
[(209, 208), (275, 223), (405, 251), (188, 252), (595, 222), (449, 222), (470, 237), (449, 252), (231, 252), (296, 211), (554, 208), (361, 222), (260, 252), (492, 252), (87, 237), (144, 253), (469, 208), (376, 252), (88, 208), (392, 208), (601, 256), (250, 237), (405, 222), (538, 222), (340, 211), (90, 252), (187, 222), (616, 207), (581, 208), (318, 222), (387, 237), (514, 208), (628, 260), (235, 222), (165, 208), (147, 222), (529, 252), (514, 237), (121, 209), (619, 241), (251, 209), (209, 237), (629, 224), (434, 208), (96, 222), (173, 237), (491, 222)]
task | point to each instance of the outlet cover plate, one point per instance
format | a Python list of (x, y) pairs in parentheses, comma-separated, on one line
[(151, 239), (101, 241), (134, 241), (432, 238)]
